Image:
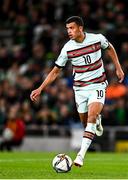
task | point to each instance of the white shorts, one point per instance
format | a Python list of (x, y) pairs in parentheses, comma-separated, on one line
[(89, 94)]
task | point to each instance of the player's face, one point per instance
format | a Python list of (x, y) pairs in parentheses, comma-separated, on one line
[(74, 31)]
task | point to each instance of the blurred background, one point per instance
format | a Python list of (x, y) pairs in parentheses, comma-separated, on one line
[(32, 33)]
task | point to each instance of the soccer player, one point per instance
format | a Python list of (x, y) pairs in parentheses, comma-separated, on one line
[(83, 50)]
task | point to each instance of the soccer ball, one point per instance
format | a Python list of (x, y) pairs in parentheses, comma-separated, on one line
[(62, 163)]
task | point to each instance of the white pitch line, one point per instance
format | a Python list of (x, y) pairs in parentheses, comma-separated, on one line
[(47, 159), (19, 160)]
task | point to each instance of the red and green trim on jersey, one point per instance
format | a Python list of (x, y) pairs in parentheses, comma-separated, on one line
[(86, 68), (83, 51), (99, 79)]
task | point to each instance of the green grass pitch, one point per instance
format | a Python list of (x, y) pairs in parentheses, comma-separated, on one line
[(37, 165)]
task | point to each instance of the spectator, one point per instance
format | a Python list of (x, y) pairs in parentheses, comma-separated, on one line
[(13, 132)]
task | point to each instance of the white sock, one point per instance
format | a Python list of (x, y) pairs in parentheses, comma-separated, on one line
[(87, 138)]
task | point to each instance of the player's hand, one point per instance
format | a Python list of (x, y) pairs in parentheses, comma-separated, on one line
[(35, 94), (120, 75)]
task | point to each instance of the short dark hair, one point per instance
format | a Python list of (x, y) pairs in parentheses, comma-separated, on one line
[(78, 20)]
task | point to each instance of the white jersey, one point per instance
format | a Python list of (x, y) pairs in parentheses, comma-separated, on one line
[(85, 58)]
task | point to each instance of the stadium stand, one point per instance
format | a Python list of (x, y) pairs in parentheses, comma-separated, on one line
[(31, 39)]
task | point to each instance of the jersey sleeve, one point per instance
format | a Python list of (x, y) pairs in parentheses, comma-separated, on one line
[(62, 58), (104, 42)]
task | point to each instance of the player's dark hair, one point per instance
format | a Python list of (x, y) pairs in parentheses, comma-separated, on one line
[(78, 20)]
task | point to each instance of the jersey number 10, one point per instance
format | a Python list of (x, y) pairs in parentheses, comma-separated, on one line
[(87, 59)]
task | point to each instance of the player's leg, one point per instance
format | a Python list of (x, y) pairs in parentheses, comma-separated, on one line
[(83, 118), (94, 109), (99, 128), (98, 95)]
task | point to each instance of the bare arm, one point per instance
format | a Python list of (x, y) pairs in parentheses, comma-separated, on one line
[(113, 55), (49, 79)]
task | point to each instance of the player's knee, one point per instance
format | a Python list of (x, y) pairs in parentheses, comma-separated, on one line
[(92, 118)]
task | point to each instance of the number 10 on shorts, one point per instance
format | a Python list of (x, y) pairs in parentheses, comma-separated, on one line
[(100, 94)]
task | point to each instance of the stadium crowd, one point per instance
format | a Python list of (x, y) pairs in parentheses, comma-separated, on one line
[(32, 34)]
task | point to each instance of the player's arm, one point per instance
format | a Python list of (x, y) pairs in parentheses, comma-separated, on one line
[(113, 55), (49, 79)]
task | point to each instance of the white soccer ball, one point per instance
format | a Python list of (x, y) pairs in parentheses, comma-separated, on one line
[(62, 163), (8, 134)]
